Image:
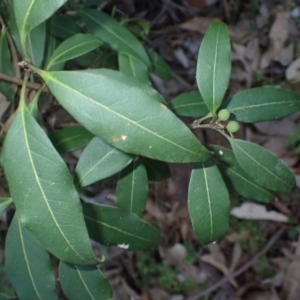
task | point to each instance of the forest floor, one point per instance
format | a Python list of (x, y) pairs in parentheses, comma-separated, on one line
[(259, 258)]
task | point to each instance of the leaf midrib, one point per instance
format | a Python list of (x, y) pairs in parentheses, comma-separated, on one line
[(241, 177), (260, 105), (39, 184), (26, 259), (26, 17), (114, 34), (214, 69), (56, 59), (123, 117), (96, 165), (208, 201), (117, 229), (84, 284), (262, 166)]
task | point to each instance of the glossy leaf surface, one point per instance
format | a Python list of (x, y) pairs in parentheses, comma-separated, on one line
[(189, 104), (133, 67), (31, 13), (156, 170), (63, 27), (6, 67), (208, 202), (125, 113), (4, 203), (35, 43), (114, 34), (99, 160), (214, 65), (132, 188), (80, 282), (262, 166), (73, 47), (51, 44), (42, 189), (236, 178), (262, 104), (14, 30), (159, 66), (70, 138), (114, 226), (27, 264)]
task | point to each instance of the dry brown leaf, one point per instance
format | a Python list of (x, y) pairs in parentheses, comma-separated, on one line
[(238, 237), (258, 295), (293, 71), (276, 145), (217, 259), (181, 57), (285, 55), (291, 284), (3, 105), (198, 24), (159, 294), (236, 255), (283, 127), (253, 211), (278, 35)]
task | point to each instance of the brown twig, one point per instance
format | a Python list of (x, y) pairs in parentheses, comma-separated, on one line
[(242, 269), (31, 85)]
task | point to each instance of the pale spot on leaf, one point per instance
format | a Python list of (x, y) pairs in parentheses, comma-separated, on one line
[(123, 246)]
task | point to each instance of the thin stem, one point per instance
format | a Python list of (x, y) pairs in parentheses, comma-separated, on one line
[(197, 122), (23, 90), (34, 86), (242, 269)]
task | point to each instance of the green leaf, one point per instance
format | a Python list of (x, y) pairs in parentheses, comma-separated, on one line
[(114, 226), (70, 139), (159, 66), (27, 264), (156, 170), (208, 202), (262, 104), (99, 160), (7, 297), (6, 67), (30, 13), (132, 188), (80, 282), (236, 178), (63, 27), (214, 65), (51, 44), (125, 113), (73, 47), (189, 104), (86, 3), (35, 40), (14, 30), (133, 67), (42, 189), (35, 44), (4, 204), (262, 166), (114, 35)]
